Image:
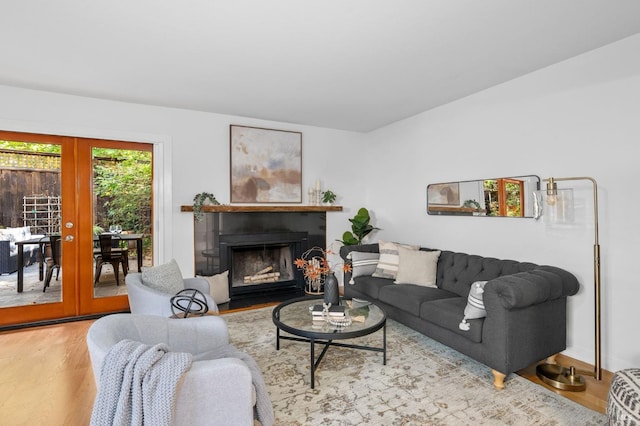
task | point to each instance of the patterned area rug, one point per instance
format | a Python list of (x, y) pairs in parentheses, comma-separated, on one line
[(423, 383)]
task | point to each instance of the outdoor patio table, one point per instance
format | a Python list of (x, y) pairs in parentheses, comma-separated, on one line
[(42, 241)]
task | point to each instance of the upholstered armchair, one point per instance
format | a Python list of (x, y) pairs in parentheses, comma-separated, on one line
[(145, 299), (215, 391)]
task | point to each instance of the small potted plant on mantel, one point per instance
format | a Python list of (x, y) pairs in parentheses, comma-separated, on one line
[(328, 197), (200, 200)]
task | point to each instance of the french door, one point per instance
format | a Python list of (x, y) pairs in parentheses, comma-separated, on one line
[(70, 189)]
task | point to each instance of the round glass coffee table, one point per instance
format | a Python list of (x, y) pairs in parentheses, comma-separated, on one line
[(294, 317)]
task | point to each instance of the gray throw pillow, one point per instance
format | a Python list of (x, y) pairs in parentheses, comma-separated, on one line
[(475, 305), (362, 264), (166, 278)]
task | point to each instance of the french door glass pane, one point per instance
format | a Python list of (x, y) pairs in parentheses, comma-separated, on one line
[(30, 215), (122, 208)]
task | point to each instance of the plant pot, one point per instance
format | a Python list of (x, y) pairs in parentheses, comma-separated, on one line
[(331, 293)]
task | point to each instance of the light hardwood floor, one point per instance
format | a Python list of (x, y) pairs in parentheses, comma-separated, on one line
[(46, 377)]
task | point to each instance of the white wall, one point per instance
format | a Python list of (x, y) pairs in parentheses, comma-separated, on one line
[(576, 118), (196, 145)]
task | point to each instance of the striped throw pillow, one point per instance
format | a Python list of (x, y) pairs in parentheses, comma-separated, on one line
[(362, 264), (475, 305), (389, 259)]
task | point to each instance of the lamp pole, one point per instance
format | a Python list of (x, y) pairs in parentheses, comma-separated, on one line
[(566, 378)]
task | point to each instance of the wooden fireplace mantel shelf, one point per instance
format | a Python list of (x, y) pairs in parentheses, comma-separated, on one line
[(263, 208)]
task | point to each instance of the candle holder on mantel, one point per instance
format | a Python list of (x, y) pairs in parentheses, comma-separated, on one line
[(315, 196)]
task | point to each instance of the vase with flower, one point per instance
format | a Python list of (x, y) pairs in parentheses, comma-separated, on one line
[(318, 274)]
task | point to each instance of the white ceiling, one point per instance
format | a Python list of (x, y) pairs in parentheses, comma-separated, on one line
[(345, 64)]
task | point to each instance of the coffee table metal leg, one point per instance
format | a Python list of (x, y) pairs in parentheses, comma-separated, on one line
[(384, 343), (277, 339), (313, 362)]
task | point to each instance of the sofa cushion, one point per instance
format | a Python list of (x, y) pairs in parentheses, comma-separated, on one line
[(409, 297), (370, 286), (417, 267), (166, 278), (446, 313), (11, 235), (389, 259), (362, 264)]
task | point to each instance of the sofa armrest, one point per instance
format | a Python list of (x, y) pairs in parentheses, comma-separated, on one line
[(524, 289), (217, 391), (366, 248), (202, 285)]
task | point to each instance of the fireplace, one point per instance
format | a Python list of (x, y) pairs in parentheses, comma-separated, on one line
[(262, 262), (257, 247)]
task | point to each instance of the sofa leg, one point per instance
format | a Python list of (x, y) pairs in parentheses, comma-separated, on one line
[(552, 359), (498, 379)]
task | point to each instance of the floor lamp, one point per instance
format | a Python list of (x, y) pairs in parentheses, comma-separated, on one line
[(554, 374)]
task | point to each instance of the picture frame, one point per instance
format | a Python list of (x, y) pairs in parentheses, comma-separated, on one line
[(266, 165), (443, 194)]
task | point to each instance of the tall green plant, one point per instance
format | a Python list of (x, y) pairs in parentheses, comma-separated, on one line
[(360, 228), (123, 182)]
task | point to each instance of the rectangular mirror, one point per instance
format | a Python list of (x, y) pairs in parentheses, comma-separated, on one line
[(497, 197)]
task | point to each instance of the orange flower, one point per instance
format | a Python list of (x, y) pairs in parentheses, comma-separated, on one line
[(315, 265)]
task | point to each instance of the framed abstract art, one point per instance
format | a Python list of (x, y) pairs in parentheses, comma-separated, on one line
[(266, 165)]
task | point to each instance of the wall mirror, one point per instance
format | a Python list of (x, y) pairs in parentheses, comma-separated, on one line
[(497, 197)]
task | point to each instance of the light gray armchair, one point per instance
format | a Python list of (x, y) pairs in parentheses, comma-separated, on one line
[(217, 391), (150, 301)]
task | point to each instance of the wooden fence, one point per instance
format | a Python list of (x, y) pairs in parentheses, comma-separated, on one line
[(16, 183)]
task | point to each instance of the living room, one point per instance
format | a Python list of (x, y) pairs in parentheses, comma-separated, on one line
[(575, 116)]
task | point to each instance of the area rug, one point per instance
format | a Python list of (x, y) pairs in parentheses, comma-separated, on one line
[(423, 383)]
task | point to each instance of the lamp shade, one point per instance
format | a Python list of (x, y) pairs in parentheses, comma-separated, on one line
[(556, 208)]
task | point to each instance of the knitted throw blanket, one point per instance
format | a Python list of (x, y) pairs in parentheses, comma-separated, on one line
[(138, 384)]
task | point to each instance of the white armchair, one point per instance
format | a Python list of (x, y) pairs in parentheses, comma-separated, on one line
[(150, 301), (218, 391)]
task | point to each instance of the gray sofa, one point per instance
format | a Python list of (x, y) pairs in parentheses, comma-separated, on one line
[(525, 307)]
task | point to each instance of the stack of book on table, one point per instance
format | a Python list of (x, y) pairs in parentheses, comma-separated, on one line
[(337, 311)]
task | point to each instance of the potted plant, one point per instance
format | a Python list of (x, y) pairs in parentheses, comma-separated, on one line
[(360, 228), (199, 200), (472, 204), (328, 196)]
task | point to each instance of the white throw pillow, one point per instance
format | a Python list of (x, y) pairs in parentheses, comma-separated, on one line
[(219, 287), (362, 264), (388, 262), (166, 278), (417, 267)]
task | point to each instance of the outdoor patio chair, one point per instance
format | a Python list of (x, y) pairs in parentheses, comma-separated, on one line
[(115, 256), (53, 262)]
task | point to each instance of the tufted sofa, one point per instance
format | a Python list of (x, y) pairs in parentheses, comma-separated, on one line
[(525, 307), (9, 250)]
